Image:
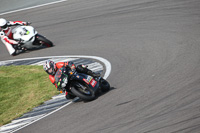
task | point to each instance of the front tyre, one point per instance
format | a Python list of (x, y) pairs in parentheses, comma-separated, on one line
[(41, 40), (70, 96), (83, 91)]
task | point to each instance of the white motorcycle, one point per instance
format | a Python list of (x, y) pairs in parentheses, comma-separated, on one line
[(29, 37)]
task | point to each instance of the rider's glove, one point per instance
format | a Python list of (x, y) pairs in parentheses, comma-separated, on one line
[(59, 88), (84, 66), (28, 23)]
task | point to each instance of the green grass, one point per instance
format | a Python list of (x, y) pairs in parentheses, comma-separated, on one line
[(21, 89)]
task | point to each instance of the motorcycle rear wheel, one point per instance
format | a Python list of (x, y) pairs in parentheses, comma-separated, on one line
[(70, 96), (105, 86)]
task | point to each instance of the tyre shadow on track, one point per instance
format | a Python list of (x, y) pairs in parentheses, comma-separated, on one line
[(103, 93), (33, 49), (97, 95)]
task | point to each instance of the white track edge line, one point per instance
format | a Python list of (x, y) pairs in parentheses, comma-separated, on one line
[(33, 7), (42, 117)]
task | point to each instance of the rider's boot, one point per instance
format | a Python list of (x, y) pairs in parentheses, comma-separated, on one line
[(69, 95), (84, 69), (89, 72)]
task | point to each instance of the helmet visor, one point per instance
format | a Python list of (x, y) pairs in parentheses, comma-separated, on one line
[(4, 27), (50, 70)]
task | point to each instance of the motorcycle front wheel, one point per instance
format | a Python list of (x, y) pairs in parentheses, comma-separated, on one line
[(41, 40), (83, 91)]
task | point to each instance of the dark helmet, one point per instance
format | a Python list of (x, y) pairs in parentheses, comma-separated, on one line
[(3, 24), (50, 67)]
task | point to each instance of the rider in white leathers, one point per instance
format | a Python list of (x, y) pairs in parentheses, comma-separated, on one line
[(7, 35)]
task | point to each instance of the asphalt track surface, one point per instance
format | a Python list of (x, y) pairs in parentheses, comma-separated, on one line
[(154, 49), (13, 5)]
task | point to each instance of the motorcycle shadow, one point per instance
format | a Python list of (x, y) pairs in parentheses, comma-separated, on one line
[(32, 49), (99, 94)]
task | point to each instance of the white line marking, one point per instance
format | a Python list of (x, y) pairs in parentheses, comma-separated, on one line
[(63, 60), (42, 117), (58, 96), (14, 126), (26, 119), (96, 69), (107, 73), (33, 7)]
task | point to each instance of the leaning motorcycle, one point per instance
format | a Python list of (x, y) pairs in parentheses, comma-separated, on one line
[(79, 84), (29, 37)]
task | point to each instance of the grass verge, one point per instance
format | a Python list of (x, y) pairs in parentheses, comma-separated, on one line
[(21, 89)]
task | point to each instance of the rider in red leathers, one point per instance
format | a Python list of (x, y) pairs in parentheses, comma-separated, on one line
[(7, 35), (51, 68)]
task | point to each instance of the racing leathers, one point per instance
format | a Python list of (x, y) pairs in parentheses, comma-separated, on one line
[(71, 65), (7, 36)]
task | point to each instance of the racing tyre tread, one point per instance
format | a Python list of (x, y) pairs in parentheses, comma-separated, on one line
[(105, 86), (45, 42), (85, 97)]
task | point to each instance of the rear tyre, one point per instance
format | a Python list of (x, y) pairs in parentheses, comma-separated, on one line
[(70, 96), (83, 91), (105, 86)]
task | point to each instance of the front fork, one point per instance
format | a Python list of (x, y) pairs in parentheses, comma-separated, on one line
[(36, 41)]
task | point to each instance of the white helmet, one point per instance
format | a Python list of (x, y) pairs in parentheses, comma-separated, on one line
[(3, 24), (50, 67)]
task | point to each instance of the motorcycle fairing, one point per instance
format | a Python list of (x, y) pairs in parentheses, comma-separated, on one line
[(25, 34), (87, 79)]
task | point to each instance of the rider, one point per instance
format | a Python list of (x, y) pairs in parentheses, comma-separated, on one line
[(51, 68), (7, 35)]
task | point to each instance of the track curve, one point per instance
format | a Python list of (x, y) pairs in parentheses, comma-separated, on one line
[(153, 47)]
